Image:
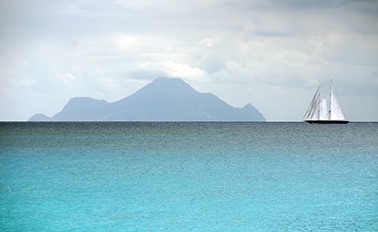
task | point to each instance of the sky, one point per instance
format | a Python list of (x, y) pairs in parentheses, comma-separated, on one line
[(272, 53)]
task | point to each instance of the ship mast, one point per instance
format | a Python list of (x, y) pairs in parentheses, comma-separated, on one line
[(330, 100), (318, 102)]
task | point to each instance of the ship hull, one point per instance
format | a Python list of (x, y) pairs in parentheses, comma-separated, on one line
[(327, 121)]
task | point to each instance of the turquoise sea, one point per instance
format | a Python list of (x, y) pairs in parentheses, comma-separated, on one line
[(188, 176)]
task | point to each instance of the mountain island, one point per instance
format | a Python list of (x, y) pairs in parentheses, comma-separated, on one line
[(164, 99)]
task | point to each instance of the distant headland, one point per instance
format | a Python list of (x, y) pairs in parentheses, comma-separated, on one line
[(164, 99)]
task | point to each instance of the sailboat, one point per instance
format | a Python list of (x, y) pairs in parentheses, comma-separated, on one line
[(318, 111)]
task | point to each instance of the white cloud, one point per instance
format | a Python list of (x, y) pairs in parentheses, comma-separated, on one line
[(208, 42), (167, 69), (271, 53), (68, 79)]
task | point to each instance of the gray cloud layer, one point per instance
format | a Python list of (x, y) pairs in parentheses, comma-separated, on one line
[(270, 53)]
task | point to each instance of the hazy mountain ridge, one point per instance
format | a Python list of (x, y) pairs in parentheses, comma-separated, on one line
[(164, 99)]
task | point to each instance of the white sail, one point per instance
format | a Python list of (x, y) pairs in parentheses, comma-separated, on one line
[(312, 110), (335, 110), (315, 115), (323, 110), (318, 112)]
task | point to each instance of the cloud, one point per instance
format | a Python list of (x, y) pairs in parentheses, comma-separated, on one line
[(272, 53), (152, 70)]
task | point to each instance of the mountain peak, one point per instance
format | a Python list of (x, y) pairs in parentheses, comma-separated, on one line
[(81, 109), (164, 99), (169, 85), (39, 118), (168, 80)]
